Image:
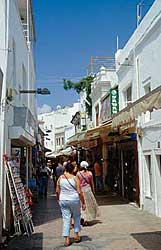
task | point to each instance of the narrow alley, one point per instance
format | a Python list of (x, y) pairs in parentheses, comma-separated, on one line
[(120, 226)]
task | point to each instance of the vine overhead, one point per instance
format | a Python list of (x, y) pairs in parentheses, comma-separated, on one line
[(83, 85)]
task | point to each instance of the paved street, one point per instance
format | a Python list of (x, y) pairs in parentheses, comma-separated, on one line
[(121, 226)]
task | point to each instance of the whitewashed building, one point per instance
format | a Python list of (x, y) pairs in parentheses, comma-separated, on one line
[(57, 126), (105, 80), (18, 111), (139, 78)]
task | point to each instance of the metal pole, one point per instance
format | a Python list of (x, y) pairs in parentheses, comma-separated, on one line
[(122, 173), (28, 55), (138, 14), (117, 43), (27, 165)]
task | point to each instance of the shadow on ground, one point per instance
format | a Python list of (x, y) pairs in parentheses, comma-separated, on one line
[(149, 240), (35, 242), (47, 209), (110, 199)]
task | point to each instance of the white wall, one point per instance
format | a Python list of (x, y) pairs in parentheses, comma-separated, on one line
[(105, 79), (59, 119), (13, 58), (138, 63)]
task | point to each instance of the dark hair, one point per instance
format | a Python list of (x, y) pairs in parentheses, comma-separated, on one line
[(69, 168), (83, 168)]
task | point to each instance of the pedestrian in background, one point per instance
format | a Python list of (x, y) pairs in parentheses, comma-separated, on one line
[(44, 176), (69, 194), (60, 169), (87, 187), (98, 175)]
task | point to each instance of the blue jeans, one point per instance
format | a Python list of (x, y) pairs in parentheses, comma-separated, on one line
[(43, 186), (99, 182), (70, 209)]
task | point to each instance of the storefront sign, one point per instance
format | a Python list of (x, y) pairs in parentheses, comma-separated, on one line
[(114, 101)]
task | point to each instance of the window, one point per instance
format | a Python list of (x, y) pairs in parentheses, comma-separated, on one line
[(148, 176), (128, 95), (147, 88), (62, 140)]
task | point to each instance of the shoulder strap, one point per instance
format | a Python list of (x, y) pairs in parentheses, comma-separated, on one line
[(70, 182), (84, 178)]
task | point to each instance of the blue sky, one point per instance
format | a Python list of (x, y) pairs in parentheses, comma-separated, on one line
[(69, 32)]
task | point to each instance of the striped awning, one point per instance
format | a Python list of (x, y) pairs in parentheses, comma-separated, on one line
[(148, 102)]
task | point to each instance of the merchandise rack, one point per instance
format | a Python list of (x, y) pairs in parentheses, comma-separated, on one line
[(21, 212)]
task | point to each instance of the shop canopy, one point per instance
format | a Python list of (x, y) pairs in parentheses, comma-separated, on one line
[(51, 154), (148, 102), (85, 136), (67, 151)]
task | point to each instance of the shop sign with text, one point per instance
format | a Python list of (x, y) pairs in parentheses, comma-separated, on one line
[(114, 101)]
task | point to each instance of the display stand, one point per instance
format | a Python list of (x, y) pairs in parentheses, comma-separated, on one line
[(21, 212)]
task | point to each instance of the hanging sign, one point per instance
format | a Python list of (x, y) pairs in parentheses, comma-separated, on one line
[(114, 101)]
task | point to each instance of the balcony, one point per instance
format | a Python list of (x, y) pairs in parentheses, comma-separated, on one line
[(23, 130)]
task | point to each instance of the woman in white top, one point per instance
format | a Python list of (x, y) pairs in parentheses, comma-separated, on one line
[(69, 195)]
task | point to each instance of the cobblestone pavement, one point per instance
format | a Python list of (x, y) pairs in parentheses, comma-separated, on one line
[(120, 226)]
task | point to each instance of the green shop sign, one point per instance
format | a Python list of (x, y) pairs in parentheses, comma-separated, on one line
[(114, 103)]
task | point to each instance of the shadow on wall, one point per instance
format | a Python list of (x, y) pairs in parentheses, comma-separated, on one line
[(149, 240)]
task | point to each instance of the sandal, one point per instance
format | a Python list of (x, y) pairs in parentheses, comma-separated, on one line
[(67, 244), (77, 240)]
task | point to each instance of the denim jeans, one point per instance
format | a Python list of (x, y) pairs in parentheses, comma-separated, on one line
[(43, 186), (99, 182), (70, 209)]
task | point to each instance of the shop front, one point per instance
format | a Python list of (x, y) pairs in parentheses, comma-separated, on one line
[(123, 172)]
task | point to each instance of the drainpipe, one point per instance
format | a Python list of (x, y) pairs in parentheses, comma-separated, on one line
[(3, 116), (28, 83)]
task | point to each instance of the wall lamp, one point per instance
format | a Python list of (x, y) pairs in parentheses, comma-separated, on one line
[(38, 91)]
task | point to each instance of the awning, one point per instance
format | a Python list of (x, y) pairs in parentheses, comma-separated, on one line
[(51, 154), (73, 140), (20, 136), (146, 103), (67, 151)]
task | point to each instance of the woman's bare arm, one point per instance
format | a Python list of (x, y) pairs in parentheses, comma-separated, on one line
[(80, 192), (58, 189)]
